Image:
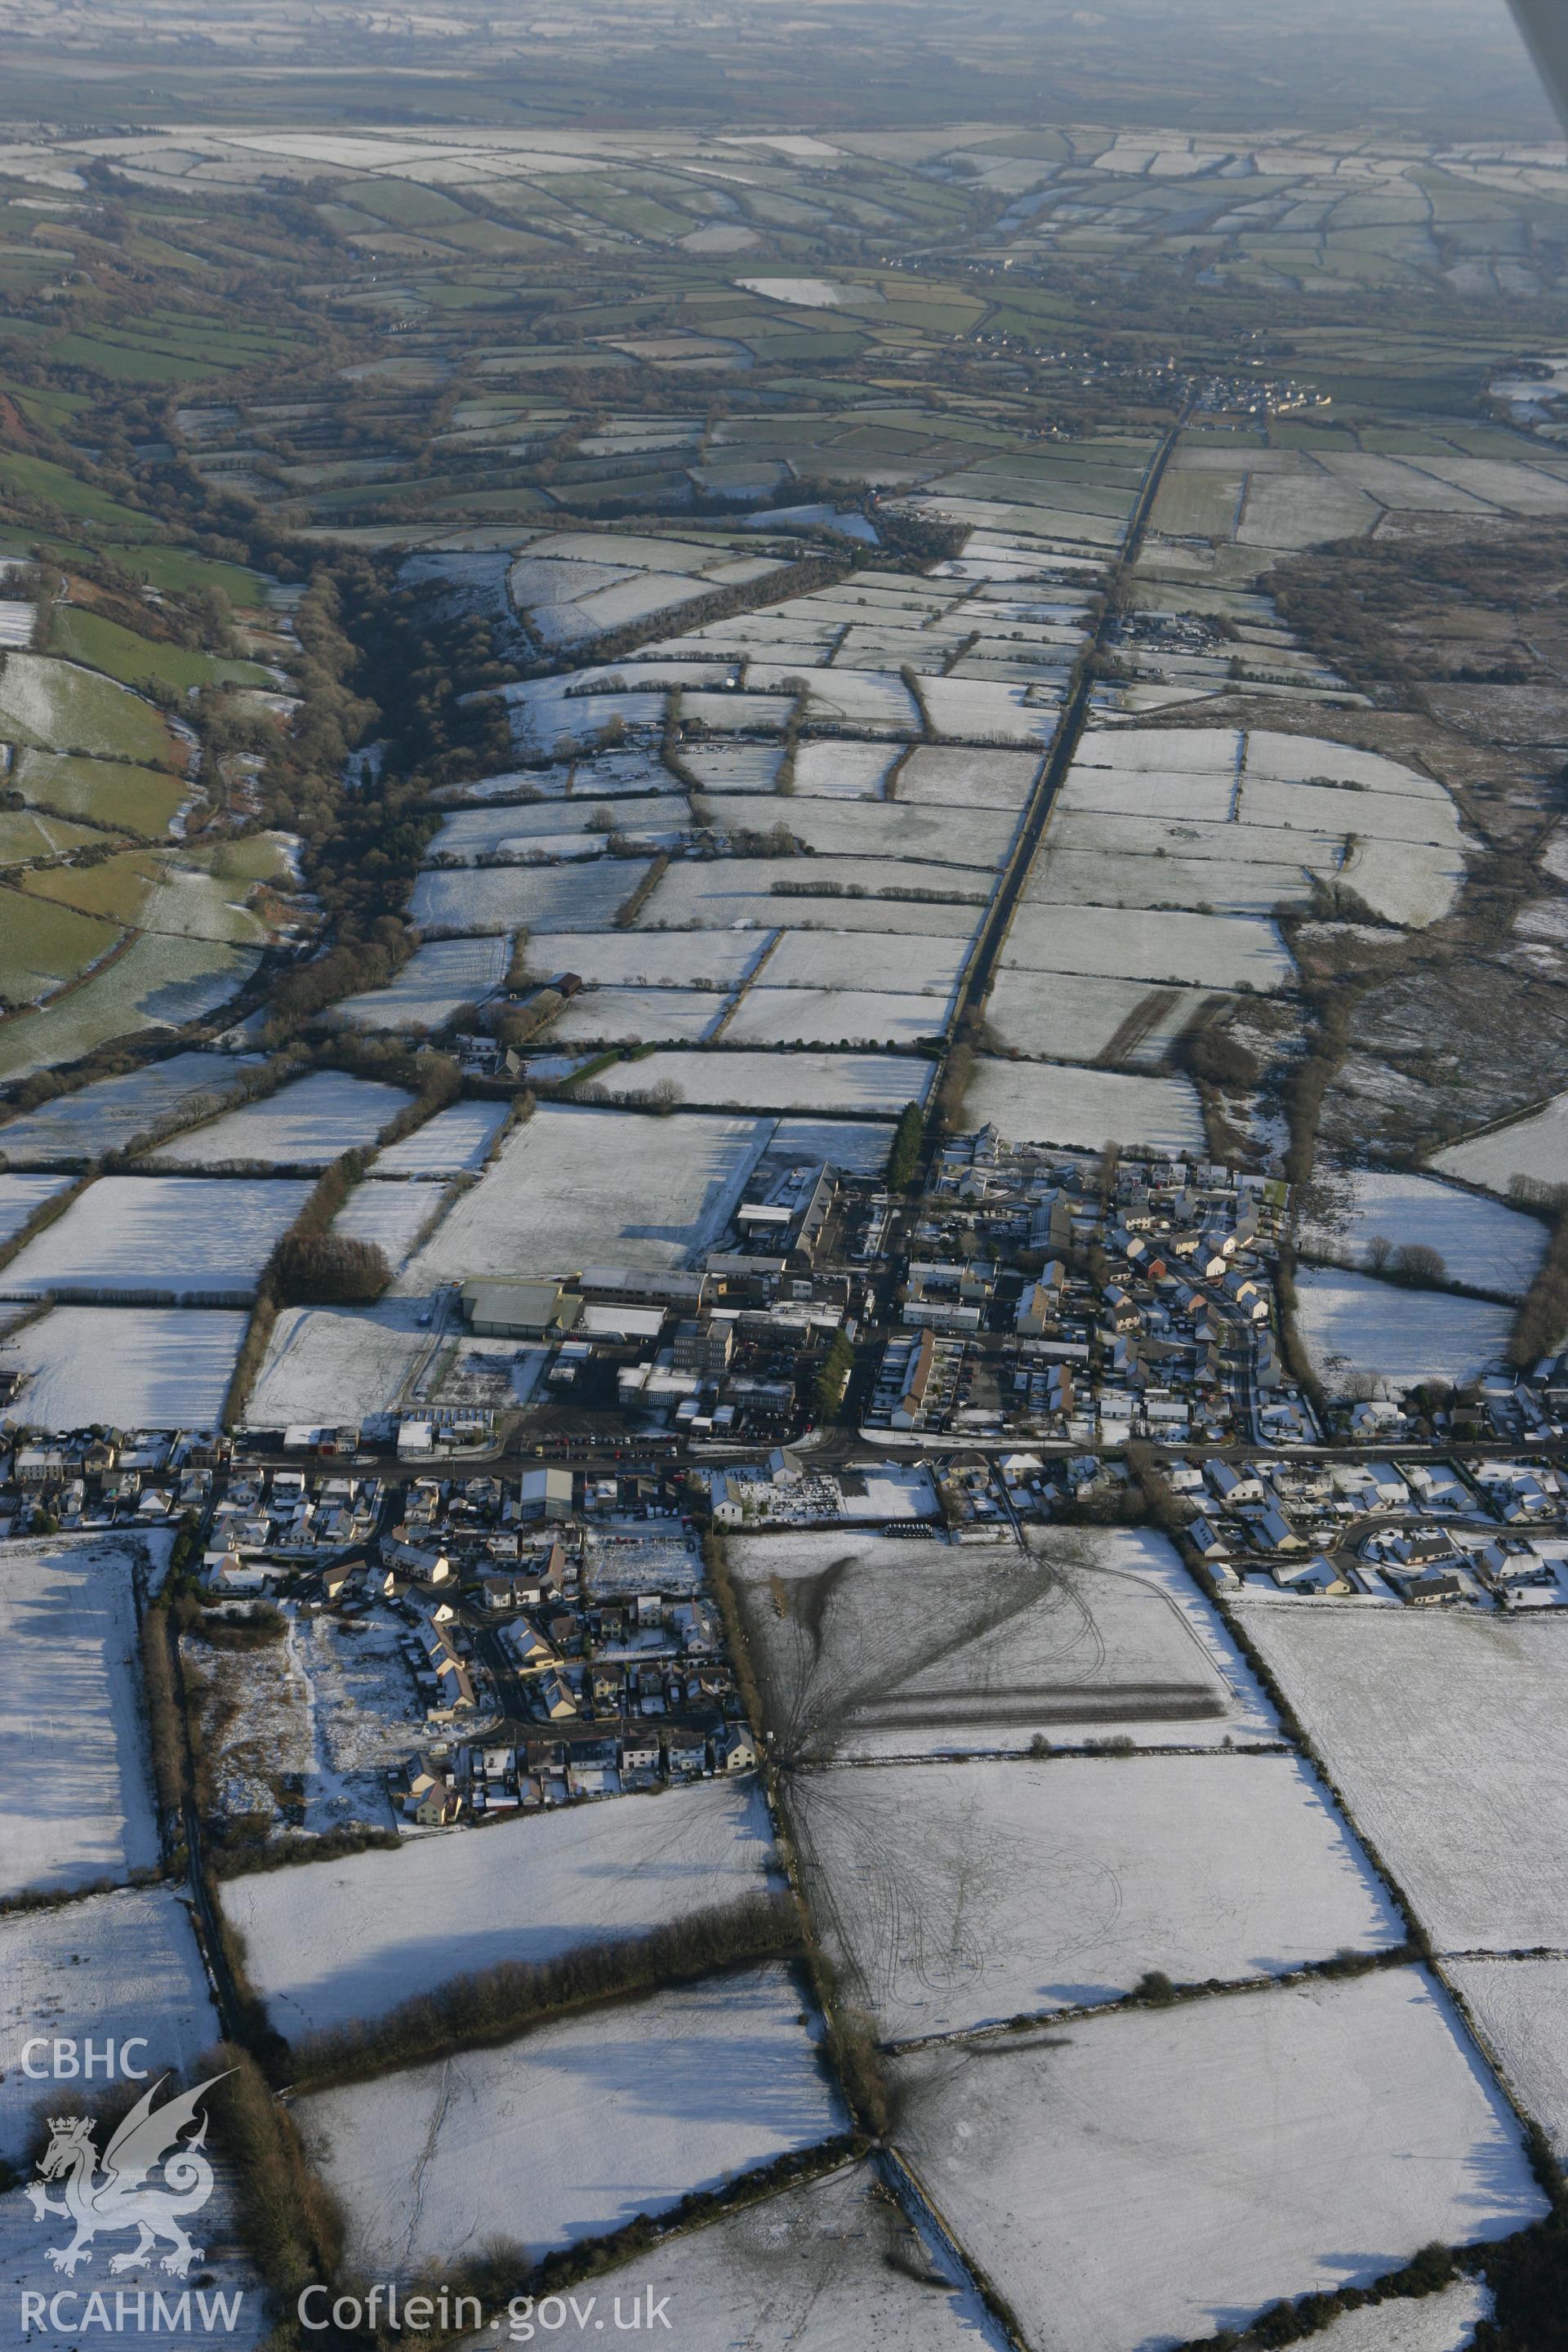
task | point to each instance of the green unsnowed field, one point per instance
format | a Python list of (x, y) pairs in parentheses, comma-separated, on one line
[(25, 834), (39, 480), (43, 944), (49, 705), (134, 661), (179, 572), (105, 792)]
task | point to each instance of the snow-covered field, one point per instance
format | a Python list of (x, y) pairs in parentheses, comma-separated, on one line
[(1052, 1102), (899, 830), (1354, 1327), (903, 965), (363, 1713), (1142, 751), (835, 771), (436, 978), (1064, 1016), (1521, 2009), (124, 1368), (1154, 824), (833, 2267), (716, 894), (968, 778), (715, 959), (1152, 944), (762, 1081), (574, 586), (330, 1941), (62, 707), (304, 1124), (635, 1016), (1448, 1738), (22, 1196), (835, 1016), (1311, 759), (1149, 2175), (1285, 511), (1065, 877), (392, 1215), (743, 767), (324, 1365), (554, 728), (1536, 1146), (181, 1236), (983, 711), (800, 293), (859, 1147), (577, 1186), (228, 2314), (977, 1891), (1429, 2323), (1297, 810), (542, 898), (110, 1967), (1408, 882), (752, 712), (1143, 795), (75, 1801), (869, 699), (111, 1113), (453, 1143), (159, 982), (868, 1645), (1483, 1245), (586, 2121), (558, 828)]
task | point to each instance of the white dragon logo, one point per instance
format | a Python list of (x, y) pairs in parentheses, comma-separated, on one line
[(123, 2197)]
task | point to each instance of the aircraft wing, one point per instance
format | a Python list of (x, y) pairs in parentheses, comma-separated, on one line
[(1544, 23)]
